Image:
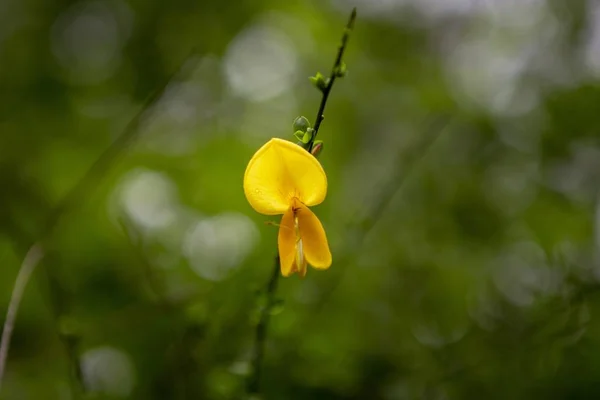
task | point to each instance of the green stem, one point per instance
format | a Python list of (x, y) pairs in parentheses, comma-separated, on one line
[(334, 74), (253, 383), (261, 330)]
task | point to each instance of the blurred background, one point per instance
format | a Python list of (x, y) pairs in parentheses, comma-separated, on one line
[(463, 156)]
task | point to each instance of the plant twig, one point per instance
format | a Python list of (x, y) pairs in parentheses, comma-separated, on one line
[(85, 184), (253, 383), (261, 330), (334, 74)]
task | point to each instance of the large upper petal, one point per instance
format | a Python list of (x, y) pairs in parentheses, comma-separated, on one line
[(280, 171), (314, 240)]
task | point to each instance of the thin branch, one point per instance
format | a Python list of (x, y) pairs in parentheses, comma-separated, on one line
[(261, 330), (334, 74), (253, 383), (85, 185)]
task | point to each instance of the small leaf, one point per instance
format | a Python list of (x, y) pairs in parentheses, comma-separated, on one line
[(305, 138), (341, 70), (319, 81), (301, 124), (299, 135)]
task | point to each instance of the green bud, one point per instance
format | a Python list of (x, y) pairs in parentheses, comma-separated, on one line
[(317, 148), (304, 137), (301, 124), (319, 81), (341, 70)]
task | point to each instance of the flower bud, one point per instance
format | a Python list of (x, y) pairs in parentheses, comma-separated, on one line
[(301, 124), (341, 70), (319, 81), (317, 148)]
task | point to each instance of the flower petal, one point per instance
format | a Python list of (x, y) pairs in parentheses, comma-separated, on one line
[(280, 171), (286, 243), (314, 240)]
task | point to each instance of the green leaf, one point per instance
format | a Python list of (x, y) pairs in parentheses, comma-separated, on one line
[(304, 137), (299, 135)]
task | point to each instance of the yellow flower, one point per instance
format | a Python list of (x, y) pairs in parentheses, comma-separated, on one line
[(283, 178)]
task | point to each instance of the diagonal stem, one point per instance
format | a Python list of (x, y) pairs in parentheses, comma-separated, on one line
[(31, 260), (35, 254), (334, 74), (253, 383)]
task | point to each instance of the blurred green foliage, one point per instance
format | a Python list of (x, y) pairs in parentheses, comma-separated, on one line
[(462, 152)]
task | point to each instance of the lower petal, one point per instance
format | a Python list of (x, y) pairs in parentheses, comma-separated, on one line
[(286, 242), (314, 240)]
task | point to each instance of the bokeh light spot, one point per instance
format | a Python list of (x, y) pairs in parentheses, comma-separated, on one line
[(218, 245), (260, 63), (109, 371)]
